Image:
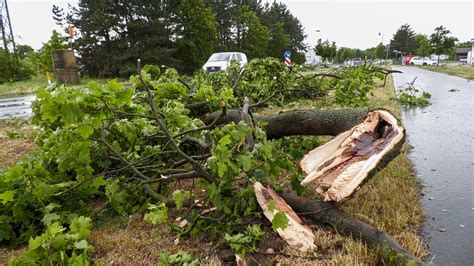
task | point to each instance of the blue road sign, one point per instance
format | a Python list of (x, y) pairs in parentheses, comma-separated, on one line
[(287, 54)]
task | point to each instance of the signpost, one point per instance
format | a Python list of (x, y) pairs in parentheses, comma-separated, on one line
[(287, 56)]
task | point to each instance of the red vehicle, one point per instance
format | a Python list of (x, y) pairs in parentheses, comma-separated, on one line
[(406, 59)]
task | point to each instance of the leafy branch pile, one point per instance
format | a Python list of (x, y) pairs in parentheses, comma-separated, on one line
[(143, 146), (413, 95)]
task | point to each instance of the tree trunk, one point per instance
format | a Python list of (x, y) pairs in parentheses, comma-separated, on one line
[(326, 122), (321, 212), (299, 122)]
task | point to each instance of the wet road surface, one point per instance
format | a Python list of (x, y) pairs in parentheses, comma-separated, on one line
[(442, 140), (16, 107)]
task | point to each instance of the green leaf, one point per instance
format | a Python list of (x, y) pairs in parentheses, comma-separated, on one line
[(279, 221), (83, 244), (35, 243), (246, 161), (70, 112), (224, 141), (51, 207), (54, 229), (81, 226), (50, 218), (7, 196), (5, 228), (99, 182), (221, 169), (271, 205), (124, 96), (85, 130), (179, 197), (158, 214)]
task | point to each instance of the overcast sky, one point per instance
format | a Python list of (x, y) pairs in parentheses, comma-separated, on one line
[(354, 24)]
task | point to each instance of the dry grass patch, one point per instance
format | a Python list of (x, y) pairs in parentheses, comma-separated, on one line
[(131, 240), (16, 140)]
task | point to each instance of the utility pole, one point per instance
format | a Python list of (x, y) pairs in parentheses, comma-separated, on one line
[(7, 34)]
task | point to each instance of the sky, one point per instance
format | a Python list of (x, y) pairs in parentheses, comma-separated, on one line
[(350, 23)]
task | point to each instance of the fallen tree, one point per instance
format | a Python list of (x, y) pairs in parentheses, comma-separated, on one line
[(142, 146), (298, 122)]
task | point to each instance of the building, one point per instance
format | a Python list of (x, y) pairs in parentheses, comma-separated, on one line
[(312, 58), (461, 53), (441, 57)]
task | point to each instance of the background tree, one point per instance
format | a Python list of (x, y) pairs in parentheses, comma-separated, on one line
[(113, 34), (344, 54), (180, 34), (279, 40), (42, 59), (466, 44), (441, 42), (9, 72), (379, 51), (275, 13), (251, 35), (24, 51), (58, 15), (404, 40), (194, 47), (424, 46), (326, 49)]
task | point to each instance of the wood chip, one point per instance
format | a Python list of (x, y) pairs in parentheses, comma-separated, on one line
[(295, 234)]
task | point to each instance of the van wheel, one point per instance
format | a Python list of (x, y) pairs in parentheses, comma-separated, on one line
[(412, 63), (425, 64)]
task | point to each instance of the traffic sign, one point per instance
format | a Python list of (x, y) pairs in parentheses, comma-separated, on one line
[(287, 54), (288, 61)]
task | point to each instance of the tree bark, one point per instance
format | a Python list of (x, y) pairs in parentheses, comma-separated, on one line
[(322, 212), (299, 122), (326, 122)]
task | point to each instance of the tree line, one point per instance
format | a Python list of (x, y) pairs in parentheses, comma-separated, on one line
[(111, 35), (405, 40)]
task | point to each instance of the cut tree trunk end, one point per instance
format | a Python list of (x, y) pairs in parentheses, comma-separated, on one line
[(337, 169)]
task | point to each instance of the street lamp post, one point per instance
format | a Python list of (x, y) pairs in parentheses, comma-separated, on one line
[(381, 35), (317, 31)]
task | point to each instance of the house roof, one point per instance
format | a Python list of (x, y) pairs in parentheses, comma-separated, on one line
[(463, 50)]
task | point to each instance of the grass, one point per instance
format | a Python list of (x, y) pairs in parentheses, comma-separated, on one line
[(16, 140), (32, 85), (23, 87), (388, 201), (459, 71)]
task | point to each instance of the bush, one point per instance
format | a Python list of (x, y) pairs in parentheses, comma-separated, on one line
[(8, 71)]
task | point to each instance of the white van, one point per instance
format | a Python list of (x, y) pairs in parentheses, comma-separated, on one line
[(221, 61)]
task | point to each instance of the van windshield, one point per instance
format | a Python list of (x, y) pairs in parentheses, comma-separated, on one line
[(219, 57)]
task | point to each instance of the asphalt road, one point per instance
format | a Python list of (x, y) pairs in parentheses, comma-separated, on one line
[(442, 140), (17, 107)]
